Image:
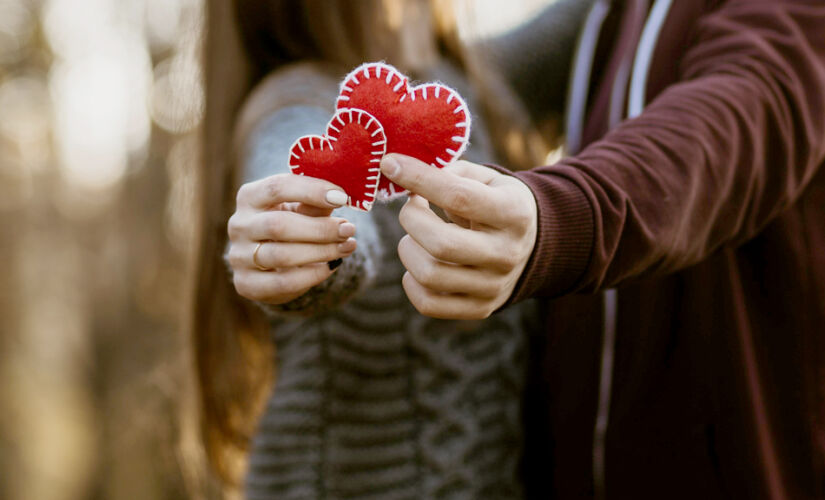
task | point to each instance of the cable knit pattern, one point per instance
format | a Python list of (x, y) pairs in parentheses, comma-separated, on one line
[(375, 401)]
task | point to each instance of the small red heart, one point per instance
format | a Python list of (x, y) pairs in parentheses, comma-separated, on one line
[(430, 122), (348, 155)]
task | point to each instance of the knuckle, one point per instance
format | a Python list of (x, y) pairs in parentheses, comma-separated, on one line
[(233, 257), (233, 227), (321, 273), (460, 198), (271, 255), (428, 274), (243, 285), (483, 312), (243, 193), (329, 252), (328, 230), (274, 185), (403, 247), (444, 248), (406, 217), (425, 305), (507, 259), (503, 255), (415, 178), (275, 224), (520, 215), (461, 164)]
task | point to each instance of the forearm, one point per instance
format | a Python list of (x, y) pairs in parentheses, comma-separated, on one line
[(709, 163), (282, 108)]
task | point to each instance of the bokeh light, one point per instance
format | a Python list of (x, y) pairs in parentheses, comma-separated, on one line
[(101, 108), (100, 103)]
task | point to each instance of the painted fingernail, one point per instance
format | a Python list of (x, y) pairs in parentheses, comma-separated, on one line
[(333, 264), (390, 167), (346, 229), (347, 246), (336, 197)]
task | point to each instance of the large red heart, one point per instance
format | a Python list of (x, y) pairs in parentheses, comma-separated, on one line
[(349, 155), (430, 122)]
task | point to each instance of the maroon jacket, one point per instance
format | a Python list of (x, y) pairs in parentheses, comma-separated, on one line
[(707, 212)]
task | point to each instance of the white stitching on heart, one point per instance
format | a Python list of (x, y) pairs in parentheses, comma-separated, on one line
[(352, 116), (462, 137)]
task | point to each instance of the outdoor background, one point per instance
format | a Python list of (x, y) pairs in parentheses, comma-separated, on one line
[(100, 107)]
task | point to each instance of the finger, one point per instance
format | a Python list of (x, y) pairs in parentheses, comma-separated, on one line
[(293, 227), (444, 306), (463, 196), (271, 191), (446, 278), (470, 170), (274, 255), (450, 242), (461, 221), (282, 286), (303, 208)]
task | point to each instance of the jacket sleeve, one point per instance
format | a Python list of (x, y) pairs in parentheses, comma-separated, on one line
[(708, 163)]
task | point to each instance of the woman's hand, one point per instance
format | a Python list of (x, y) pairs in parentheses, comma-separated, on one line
[(282, 238)]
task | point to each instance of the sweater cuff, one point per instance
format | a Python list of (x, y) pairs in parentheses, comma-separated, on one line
[(564, 237)]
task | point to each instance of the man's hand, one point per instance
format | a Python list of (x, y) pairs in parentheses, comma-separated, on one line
[(468, 268)]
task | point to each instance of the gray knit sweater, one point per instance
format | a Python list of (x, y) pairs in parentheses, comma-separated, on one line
[(373, 400)]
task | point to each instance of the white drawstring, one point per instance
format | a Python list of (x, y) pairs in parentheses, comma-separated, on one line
[(644, 55), (610, 298), (580, 81)]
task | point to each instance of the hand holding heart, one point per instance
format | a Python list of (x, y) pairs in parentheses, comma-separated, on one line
[(468, 268), (289, 217), (282, 235), (377, 113)]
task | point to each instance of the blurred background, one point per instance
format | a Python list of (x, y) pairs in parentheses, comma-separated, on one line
[(100, 107)]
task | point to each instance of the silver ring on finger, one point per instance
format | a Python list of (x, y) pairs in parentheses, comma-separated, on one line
[(255, 259)]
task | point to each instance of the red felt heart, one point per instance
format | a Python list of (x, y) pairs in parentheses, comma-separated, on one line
[(347, 156), (430, 122)]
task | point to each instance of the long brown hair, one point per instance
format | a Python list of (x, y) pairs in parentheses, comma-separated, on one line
[(246, 39)]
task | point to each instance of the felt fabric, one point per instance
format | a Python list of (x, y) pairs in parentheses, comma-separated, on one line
[(348, 155), (372, 400), (430, 122)]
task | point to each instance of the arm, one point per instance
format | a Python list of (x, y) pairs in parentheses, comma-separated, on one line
[(284, 106), (710, 162)]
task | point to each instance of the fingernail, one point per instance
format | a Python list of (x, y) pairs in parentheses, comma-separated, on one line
[(333, 264), (336, 197), (346, 229), (347, 246), (390, 167)]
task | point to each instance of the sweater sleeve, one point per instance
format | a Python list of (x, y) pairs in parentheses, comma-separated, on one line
[(709, 162), (266, 153)]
